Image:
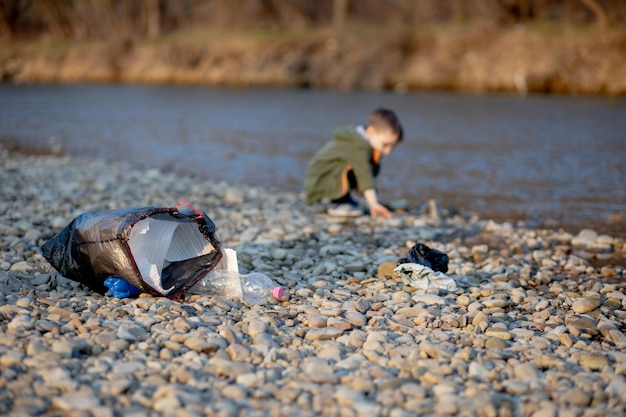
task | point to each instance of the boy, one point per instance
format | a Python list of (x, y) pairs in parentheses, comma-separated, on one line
[(351, 162)]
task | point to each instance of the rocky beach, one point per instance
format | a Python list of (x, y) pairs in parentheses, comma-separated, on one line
[(535, 327)]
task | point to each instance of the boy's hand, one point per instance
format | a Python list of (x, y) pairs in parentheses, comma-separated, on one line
[(376, 209), (379, 209)]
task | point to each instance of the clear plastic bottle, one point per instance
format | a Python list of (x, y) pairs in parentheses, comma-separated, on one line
[(255, 288)]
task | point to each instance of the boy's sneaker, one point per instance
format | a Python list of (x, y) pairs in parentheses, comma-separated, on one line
[(345, 210)]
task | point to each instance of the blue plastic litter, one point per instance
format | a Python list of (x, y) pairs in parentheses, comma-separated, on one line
[(120, 288)]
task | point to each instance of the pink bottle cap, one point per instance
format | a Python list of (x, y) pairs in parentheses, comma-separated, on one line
[(278, 292)]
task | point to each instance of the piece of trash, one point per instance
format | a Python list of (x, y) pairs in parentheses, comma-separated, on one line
[(120, 288), (225, 281), (159, 250), (423, 255), (423, 277), (424, 268), (431, 209)]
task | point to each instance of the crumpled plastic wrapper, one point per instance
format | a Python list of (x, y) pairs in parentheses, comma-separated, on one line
[(423, 277), (423, 255)]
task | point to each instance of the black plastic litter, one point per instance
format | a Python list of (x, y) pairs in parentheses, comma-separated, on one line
[(162, 251), (423, 255)]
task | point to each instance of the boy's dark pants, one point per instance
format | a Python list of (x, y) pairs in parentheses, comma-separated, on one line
[(352, 185)]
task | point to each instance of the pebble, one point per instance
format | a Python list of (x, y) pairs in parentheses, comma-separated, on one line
[(20, 323), (429, 299), (256, 327), (199, 344), (131, 332), (75, 401), (575, 397), (525, 372), (479, 318), (21, 266), (355, 267), (495, 303), (60, 379), (317, 321), (534, 328), (585, 305), (584, 238), (356, 319), (594, 361), (278, 253), (499, 333), (348, 397), (324, 334), (495, 343), (385, 270)]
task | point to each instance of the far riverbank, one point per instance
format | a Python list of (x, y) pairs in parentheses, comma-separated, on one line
[(533, 58)]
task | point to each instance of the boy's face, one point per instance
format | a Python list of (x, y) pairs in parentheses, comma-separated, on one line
[(381, 140)]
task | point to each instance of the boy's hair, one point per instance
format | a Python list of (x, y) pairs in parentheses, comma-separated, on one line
[(382, 119)]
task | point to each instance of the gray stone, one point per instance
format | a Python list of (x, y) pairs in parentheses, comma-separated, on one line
[(584, 238), (60, 379), (64, 348), (499, 333), (495, 303), (234, 392), (21, 266), (356, 319), (479, 318), (355, 267), (594, 361), (546, 411), (348, 397), (126, 368), (317, 321), (278, 253), (76, 401), (617, 388), (131, 332), (525, 372), (255, 327), (11, 358), (429, 299), (58, 222), (575, 397), (495, 343), (32, 235), (20, 323), (585, 305), (23, 302), (327, 333), (201, 344)]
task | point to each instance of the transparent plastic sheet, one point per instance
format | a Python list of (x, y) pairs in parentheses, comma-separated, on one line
[(162, 251)]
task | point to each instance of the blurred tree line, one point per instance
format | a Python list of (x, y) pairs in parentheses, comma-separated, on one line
[(93, 19)]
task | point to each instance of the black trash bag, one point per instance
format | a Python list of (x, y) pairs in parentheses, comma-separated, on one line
[(423, 255), (162, 251)]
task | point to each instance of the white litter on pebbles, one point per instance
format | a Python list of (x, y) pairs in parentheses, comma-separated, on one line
[(534, 329)]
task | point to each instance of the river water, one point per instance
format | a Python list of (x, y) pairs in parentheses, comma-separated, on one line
[(548, 160)]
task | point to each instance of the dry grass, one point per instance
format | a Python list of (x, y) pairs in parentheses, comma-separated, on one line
[(540, 57)]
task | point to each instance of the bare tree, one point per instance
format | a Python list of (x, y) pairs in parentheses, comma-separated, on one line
[(151, 18), (10, 13), (597, 10), (57, 16), (152, 15), (340, 10)]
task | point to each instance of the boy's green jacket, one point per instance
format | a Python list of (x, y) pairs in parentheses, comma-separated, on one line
[(326, 171)]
